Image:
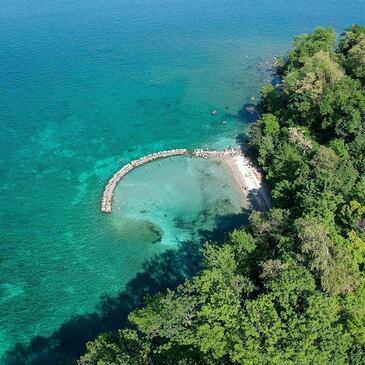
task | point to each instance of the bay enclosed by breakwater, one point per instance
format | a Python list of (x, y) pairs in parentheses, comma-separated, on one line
[(246, 170)]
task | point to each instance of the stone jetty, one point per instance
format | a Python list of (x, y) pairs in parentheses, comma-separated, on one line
[(106, 203), (214, 153)]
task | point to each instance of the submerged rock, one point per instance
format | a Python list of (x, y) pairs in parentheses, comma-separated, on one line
[(251, 109)]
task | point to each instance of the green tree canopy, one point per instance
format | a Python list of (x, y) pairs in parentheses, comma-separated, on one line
[(307, 45)]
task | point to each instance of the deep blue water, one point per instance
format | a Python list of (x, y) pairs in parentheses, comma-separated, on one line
[(88, 85)]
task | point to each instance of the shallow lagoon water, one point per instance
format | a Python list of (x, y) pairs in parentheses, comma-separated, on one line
[(172, 199), (89, 85)]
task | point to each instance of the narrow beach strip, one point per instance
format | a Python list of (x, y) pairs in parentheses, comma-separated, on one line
[(249, 179)]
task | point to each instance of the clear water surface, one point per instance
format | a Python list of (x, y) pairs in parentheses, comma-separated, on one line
[(86, 86)]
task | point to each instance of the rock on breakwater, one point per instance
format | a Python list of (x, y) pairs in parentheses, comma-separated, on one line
[(214, 153)]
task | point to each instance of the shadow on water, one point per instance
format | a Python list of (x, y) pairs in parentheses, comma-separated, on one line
[(166, 270), (248, 113), (243, 141)]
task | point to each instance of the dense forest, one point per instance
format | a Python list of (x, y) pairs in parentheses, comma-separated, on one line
[(289, 287)]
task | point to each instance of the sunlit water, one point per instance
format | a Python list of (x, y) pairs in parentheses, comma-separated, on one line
[(86, 86)]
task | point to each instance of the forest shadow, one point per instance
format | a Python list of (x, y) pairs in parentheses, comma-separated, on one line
[(259, 199), (248, 113), (166, 270), (243, 140)]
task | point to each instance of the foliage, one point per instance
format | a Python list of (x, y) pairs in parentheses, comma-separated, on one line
[(304, 87), (356, 60), (350, 38), (307, 45), (123, 348), (342, 108)]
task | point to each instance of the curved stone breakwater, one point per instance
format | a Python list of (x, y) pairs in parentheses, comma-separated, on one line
[(106, 203)]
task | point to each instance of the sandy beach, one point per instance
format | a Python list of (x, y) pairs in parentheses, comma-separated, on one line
[(248, 181)]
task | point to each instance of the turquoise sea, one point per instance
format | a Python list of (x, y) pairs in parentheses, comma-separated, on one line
[(88, 85)]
